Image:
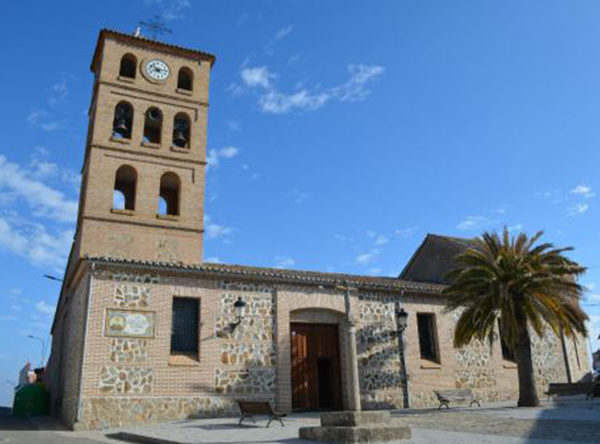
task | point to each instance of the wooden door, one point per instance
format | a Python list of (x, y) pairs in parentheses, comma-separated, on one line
[(316, 372)]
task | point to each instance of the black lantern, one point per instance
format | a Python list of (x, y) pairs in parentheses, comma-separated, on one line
[(402, 319), (239, 307), (401, 324)]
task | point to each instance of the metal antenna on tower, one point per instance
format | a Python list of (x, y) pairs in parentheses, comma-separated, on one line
[(155, 26)]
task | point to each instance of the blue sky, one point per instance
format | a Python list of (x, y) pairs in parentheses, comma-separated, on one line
[(340, 133)]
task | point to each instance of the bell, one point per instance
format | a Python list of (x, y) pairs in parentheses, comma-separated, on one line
[(121, 128), (154, 114), (179, 139)]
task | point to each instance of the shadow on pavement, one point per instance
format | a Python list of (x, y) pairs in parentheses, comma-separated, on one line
[(13, 423), (569, 419)]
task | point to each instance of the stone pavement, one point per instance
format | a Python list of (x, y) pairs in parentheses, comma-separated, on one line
[(572, 420)]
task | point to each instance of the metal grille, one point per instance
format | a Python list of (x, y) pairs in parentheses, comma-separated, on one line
[(184, 325)]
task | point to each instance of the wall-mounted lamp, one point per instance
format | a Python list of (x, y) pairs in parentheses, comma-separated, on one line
[(239, 308), (401, 324), (402, 319)]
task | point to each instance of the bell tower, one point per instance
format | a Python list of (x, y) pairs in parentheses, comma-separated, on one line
[(142, 191)]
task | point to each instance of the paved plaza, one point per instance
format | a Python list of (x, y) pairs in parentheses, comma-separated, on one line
[(571, 420)]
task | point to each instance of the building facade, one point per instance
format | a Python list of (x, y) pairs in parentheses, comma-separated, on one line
[(144, 331)]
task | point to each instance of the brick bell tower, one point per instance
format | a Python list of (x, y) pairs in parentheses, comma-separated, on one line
[(142, 192)]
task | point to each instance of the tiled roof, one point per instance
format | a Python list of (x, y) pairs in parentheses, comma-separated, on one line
[(434, 259), (151, 43), (281, 275)]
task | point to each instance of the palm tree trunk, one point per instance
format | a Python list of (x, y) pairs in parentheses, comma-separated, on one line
[(527, 388)]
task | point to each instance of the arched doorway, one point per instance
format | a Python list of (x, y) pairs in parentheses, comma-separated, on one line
[(315, 356)]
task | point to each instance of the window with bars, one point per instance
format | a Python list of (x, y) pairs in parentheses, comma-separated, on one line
[(428, 337), (184, 326)]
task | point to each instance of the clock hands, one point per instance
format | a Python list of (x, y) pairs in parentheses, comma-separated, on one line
[(157, 70)]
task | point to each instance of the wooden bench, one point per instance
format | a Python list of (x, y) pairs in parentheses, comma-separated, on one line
[(568, 389), (250, 408), (445, 397)]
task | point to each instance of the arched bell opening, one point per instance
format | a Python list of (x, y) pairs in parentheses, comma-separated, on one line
[(123, 121), (181, 131)]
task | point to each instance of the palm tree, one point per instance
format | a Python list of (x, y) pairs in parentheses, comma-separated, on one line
[(522, 285)]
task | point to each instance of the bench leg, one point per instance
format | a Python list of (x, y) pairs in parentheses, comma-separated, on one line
[(244, 416), (475, 402), (273, 418)]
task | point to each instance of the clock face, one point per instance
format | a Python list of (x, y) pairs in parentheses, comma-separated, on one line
[(157, 70)]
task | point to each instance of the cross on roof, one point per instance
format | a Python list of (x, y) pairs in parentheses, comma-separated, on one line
[(155, 26)]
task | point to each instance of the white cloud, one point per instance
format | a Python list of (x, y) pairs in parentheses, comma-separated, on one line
[(365, 258), (233, 125), (15, 307), (276, 102), (298, 196), (283, 33), (259, 76), (515, 227), (406, 232), (472, 223), (284, 262), (33, 242), (343, 237), (594, 328), (34, 117), (214, 260), (378, 239), (593, 297), (59, 94), (579, 208), (214, 230), (354, 89), (44, 308), (52, 126), (171, 9), (6, 318), (374, 271), (272, 100), (42, 199), (590, 286), (228, 152), (212, 160), (583, 190)]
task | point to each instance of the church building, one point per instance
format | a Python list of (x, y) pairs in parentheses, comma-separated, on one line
[(145, 331)]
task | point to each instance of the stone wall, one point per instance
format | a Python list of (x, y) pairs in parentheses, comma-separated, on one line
[(130, 380), (107, 412), (378, 352), (248, 354)]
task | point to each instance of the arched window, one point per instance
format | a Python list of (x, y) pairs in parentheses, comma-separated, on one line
[(184, 79), (124, 192), (181, 131), (123, 121), (128, 66), (153, 125), (169, 194)]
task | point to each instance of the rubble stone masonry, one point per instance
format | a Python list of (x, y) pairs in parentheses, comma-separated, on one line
[(127, 380)]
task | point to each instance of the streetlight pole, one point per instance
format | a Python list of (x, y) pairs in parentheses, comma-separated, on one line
[(37, 338), (401, 324)]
